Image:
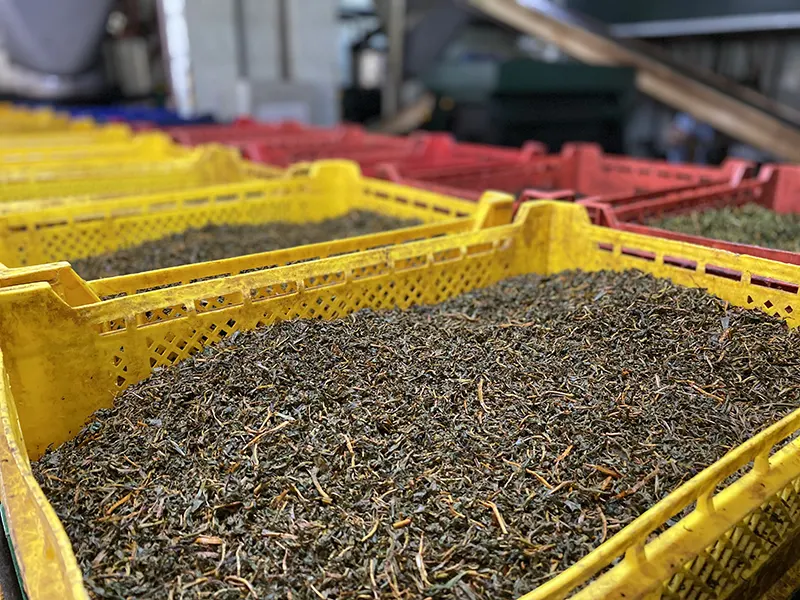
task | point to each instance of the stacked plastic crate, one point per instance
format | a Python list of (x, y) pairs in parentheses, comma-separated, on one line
[(70, 346)]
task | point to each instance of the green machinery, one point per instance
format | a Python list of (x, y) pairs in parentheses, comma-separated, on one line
[(510, 102)]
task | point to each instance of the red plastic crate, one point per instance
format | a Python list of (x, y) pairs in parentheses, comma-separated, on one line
[(581, 167), (777, 187), (244, 132), (429, 150), (283, 144), (442, 152), (784, 195)]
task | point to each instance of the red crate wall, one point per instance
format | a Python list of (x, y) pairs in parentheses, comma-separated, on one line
[(583, 168)]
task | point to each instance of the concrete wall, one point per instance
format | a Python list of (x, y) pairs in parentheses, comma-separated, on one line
[(313, 41), (227, 56), (263, 42), (213, 55)]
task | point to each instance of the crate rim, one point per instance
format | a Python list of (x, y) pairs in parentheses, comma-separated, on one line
[(101, 133), (30, 187), (68, 167), (575, 165), (133, 147)]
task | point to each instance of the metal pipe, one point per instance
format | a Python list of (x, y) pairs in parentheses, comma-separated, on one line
[(396, 31)]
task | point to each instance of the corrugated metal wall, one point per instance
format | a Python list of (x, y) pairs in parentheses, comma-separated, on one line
[(770, 61)]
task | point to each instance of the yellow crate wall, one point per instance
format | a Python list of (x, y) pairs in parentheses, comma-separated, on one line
[(97, 180), (68, 231), (214, 168), (53, 574), (145, 146), (46, 171), (83, 132), (15, 120), (67, 354)]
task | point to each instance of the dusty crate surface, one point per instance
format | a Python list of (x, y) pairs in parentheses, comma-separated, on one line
[(216, 242), (748, 224), (469, 449)]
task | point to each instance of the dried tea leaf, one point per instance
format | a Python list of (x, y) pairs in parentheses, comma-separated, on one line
[(215, 242), (749, 224), (514, 429)]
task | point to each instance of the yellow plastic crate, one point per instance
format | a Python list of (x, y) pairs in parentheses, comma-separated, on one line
[(15, 120), (98, 179), (44, 231), (67, 353), (146, 146), (84, 132)]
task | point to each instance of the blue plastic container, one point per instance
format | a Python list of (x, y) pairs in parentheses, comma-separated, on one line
[(162, 117)]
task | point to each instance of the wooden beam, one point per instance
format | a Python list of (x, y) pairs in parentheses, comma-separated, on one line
[(737, 115)]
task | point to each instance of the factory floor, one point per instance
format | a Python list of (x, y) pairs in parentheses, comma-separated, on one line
[(9, 586)]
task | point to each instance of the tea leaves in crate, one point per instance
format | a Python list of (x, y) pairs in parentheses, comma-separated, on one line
[(467, 450), (225, 241), (748, 224)]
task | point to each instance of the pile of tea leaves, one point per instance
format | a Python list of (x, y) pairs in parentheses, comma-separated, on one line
[(748, 224), (215, 242), (472, 449)]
